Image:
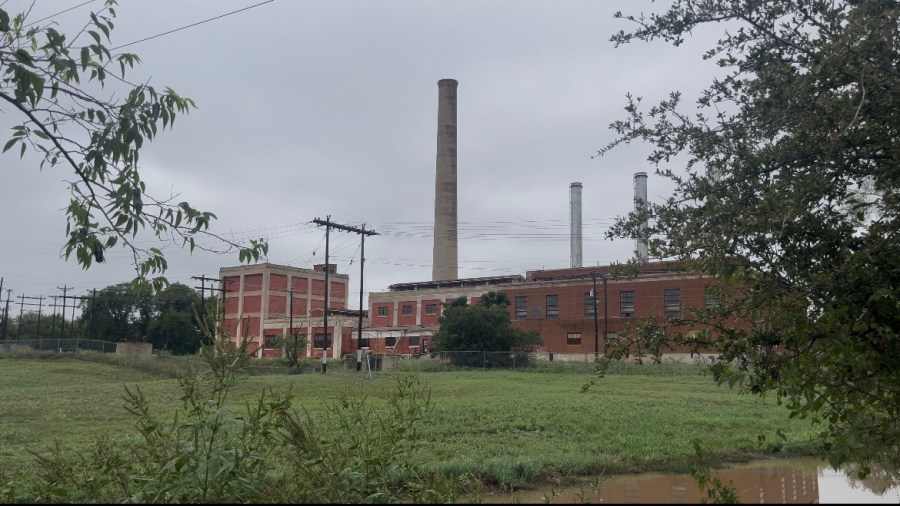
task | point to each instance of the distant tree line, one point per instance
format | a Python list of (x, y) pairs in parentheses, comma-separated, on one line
[(167, 319)]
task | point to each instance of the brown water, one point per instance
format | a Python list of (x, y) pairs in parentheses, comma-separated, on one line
[(798, 481)]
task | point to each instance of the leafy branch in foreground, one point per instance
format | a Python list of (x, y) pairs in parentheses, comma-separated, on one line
[(789, 191), (78, 113)]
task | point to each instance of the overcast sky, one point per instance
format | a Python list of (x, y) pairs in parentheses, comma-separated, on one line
[(317, 108)]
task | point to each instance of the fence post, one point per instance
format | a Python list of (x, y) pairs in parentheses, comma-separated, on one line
[(484, 360)]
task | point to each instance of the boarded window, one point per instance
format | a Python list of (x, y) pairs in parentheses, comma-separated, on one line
[(673, 301), (552, 307), (590, 304), (626, 303), (573, 338), (521, 307), (319, 339), (713, 297)]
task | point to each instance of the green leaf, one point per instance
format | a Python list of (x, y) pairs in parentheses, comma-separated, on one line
[(24, 57), (10, 144)]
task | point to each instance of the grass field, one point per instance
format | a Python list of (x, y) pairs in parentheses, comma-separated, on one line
[(507, 427)]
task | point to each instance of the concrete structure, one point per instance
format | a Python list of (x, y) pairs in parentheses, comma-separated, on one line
[(445, 255), (575, 244), (640, 200), (266, 301), (557, 304)]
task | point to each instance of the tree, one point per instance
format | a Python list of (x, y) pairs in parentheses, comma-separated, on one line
[(117, 313), (790, 193), (174, 324), (54, 84), (485, 327)]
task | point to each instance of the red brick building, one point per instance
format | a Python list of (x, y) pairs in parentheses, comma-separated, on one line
[(558, 304), (258, 298)]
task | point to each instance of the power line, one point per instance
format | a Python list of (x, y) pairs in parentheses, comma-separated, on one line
[(191, 25), (60, 12)]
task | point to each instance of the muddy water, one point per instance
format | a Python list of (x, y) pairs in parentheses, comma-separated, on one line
[(799, 481)]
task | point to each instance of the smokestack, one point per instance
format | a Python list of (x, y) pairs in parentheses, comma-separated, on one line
[(640, 200), (575, 224), (444, 259)]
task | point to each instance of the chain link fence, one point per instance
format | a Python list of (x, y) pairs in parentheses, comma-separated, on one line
[(56, 345), (469, 360)]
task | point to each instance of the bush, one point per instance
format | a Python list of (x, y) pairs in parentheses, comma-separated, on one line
[(269, 453)]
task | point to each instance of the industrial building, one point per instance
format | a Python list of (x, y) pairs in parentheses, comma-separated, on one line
[(575, 310), (265, 302)]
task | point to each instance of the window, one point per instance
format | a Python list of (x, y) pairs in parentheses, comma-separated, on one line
[(552, 307), (673, 301), (382, 310), (626, 303), (317, 341), (521, 307), (573, 338), (590, 304), (390, 341), (430, 309), (413, 340), (407, 309), (271, 341), (612, 336), (712, 297)]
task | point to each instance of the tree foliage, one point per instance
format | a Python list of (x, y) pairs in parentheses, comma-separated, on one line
[(174, 325), (76, 109), (168, 319), (117, 313), (789, 191), (484, 326)]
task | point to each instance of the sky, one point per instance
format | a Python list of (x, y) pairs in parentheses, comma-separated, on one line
[(329, 108)]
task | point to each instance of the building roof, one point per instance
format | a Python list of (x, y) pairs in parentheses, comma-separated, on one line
[(263, 266), (457, 283), (600, 270)]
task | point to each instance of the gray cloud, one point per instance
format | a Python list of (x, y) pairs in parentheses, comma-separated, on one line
[(308, 109)]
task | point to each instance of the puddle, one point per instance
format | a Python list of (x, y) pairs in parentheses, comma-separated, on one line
[(784, 482)]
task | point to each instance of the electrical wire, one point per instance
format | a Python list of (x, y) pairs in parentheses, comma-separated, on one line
[(60, 12), (191, 25)]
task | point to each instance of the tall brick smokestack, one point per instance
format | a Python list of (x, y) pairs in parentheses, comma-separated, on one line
[(445, 258), (575, 247), (640, 200)]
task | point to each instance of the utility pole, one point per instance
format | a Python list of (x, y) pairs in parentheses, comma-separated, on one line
[(22, 305), (362, 262), (6, 313), (21, 311), (93, 310), (605, 312), (40, 307), (363, 232), (596, 327), (203, 279), (62, 331), (53, 318), (294, 356)]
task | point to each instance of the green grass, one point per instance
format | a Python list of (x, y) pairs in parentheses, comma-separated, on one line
[(504, 427)]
